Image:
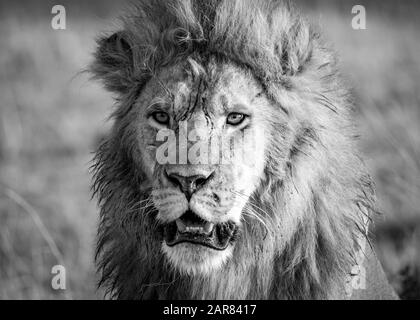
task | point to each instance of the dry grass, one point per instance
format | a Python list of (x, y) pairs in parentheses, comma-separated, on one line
[(383, 67), (51, 118)]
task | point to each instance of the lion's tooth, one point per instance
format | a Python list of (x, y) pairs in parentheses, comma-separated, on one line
[(181, 225), (208, 227)]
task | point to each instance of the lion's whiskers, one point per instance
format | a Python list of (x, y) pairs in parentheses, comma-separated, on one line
[(252, 213), (140, 206), (250, 198), (248, 212)]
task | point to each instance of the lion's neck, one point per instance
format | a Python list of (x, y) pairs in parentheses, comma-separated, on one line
[(231, 282), (263, 274), (243, 282)]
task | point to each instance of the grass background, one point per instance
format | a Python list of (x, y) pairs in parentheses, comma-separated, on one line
[(52, 117)]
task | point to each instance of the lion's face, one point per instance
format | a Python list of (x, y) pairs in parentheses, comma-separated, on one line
[(232, 142), (204, 153)]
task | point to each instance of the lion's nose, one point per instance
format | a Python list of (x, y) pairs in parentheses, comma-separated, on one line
[(189, 184)]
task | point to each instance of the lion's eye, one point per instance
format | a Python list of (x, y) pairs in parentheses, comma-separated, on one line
[(161, 117), (235, 118)]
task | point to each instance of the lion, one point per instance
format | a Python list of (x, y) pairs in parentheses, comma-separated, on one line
[(285, 215)]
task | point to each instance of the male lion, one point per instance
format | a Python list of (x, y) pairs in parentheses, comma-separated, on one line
[(287, 218)]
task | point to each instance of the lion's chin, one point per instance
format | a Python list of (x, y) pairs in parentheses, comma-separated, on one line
[(195, 259), (197, 246)]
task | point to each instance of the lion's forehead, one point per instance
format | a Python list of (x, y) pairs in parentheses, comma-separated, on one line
[(217, 88)]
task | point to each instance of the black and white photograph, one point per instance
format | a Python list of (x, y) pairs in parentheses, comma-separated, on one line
[(216, 150)]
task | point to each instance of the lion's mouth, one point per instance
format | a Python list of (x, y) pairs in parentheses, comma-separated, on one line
[(193, 229)]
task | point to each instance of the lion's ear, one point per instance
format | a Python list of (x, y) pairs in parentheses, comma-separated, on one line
[(296, 48), (113, 63)]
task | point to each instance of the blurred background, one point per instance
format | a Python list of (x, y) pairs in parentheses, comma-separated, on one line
[(52, 117)]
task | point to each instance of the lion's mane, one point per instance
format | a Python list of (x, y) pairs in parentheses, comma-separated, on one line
[(314, 207)]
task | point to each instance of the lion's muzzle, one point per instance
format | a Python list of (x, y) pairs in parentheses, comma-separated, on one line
[(188, 184)]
